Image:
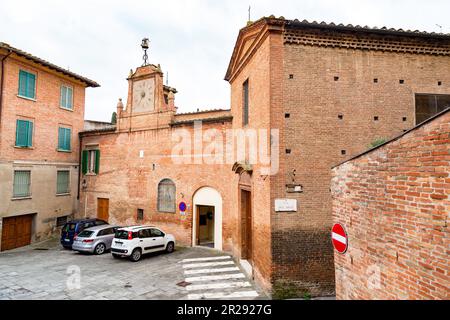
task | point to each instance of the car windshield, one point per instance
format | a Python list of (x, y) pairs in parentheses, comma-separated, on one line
[(86, 234), (121, 234), (69, 227)]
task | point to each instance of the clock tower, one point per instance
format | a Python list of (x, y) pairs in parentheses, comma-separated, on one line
[(150, 104)]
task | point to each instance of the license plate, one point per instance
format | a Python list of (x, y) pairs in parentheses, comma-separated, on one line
[(67, 240), (119, 243)]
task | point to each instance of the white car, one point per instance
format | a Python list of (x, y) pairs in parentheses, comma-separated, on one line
[(133, 242)]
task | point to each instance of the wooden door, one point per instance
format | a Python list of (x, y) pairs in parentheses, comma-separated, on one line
[(103, 209), (246, 225), (16, 232)]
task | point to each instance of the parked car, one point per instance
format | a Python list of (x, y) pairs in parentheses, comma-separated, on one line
[(133, 242), (95, 240), (72, 228)]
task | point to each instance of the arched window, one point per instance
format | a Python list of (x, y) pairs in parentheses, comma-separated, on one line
[(166, 196)]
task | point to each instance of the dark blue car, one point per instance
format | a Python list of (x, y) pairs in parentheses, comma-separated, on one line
[(72, 228)]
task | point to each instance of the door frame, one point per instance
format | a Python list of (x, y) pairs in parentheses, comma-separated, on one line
[(248, 254)]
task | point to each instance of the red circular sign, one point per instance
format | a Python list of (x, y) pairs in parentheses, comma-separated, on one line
[(339, 238)]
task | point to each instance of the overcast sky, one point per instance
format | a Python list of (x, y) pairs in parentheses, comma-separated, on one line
[(191, 39)]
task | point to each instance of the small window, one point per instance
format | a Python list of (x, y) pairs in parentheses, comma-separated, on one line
[(140, 214), (155, 233), (66, 99), (27, 84), (90, 162), (428, 105), (61, 221), (22, 182), (63, 182), (291, 76), (24, 133), (245, 103), (64, 139), (343, 152), (166, 196)]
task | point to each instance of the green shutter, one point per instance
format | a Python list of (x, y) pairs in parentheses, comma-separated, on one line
[(27, 84), (24, 133), (22, 83), (69, 98), (29, 133), (63, 96), (61, 138), (64, 139), (31, 85), (67, 138), (84, 161), (97, 161)]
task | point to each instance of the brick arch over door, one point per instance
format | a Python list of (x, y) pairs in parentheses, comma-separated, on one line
[(207, 196)]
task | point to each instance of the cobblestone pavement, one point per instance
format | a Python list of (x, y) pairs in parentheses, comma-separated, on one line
[(46, 271)]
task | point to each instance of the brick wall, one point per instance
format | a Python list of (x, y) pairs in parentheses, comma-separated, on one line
[(394, 203), (319, 85)]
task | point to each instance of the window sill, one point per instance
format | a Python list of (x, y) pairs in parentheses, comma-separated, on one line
[(90, 174), (67, 109), (64, 151), (26, 148), (63, 194), (20, 198), (26, 98), (171, 212)]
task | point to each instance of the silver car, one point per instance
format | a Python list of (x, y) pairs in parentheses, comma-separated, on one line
[(95, 240)]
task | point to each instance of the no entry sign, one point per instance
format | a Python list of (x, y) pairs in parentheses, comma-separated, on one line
[(339, 238)]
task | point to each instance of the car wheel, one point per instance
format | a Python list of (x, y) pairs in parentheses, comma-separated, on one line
[(136, 255), (115, 256), (170, 247), (100, 249)]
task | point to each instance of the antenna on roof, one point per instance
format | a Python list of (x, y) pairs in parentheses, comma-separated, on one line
[(167, 79), (249, 13), (439, 26)]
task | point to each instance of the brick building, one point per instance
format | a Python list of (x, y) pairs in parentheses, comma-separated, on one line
[(394, 203), (41, 113), (317, 93)]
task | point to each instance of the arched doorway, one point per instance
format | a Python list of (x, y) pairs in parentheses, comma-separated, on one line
[(207, 218)]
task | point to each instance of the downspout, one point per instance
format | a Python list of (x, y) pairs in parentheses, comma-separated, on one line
[(79, 164), (2, 81)]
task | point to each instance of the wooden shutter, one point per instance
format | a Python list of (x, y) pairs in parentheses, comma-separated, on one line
[(97, 161), (69, 98), (31, 85), (67, 139), (22, 83), (24, 133), (63, 96), (84, 161)]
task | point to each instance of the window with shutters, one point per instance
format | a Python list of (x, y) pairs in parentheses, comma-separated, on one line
[(66, 99), (166, 196), (90, 162), (24, 133), (63, 182), (22, 183), (64, 139), (428, 105), (245, 101), (27, 85)]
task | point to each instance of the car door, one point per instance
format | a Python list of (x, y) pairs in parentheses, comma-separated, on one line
[(104, 236), (157, 239), (109, 236), (144, 240)]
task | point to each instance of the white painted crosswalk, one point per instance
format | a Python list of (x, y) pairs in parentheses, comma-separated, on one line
[(216, 277)]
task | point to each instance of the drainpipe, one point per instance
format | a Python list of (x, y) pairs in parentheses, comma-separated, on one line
[(79, 164), (2, 81)]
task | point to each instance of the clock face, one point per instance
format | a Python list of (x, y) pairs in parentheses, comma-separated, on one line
[(143, 95)]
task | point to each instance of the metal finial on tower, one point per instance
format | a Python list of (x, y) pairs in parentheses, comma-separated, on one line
[(145, 45), (249, 13)]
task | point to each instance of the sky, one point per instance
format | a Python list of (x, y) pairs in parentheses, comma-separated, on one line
[(192, 40)]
